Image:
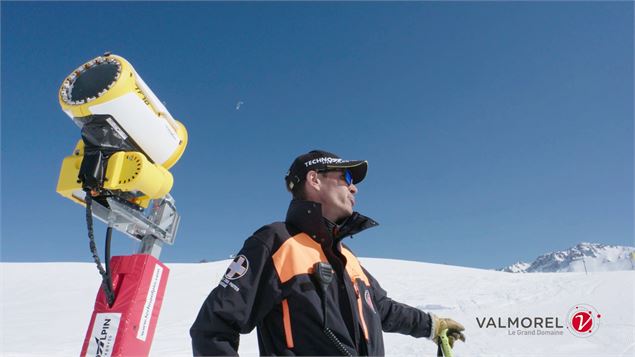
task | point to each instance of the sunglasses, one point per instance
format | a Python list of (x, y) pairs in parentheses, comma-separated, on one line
[(346, 175)]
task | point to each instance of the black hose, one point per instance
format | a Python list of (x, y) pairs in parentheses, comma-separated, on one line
[(105, 276), (108, 280)]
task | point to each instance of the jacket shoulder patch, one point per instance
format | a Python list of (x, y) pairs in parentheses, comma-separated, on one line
[(296, 256), (238, 268)]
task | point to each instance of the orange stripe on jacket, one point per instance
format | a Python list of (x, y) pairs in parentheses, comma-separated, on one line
[(353, 268), (360, 310), (296, 256), (286, 319)]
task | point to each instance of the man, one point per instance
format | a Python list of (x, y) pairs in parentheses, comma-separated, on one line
[(304, 290)]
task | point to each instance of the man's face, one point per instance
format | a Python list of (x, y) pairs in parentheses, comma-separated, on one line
[(336, 196)]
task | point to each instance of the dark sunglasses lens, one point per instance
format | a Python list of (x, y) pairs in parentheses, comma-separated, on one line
[(348, 177)]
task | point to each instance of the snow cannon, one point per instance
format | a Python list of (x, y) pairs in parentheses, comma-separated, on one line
[(129, 139), (119, 172)]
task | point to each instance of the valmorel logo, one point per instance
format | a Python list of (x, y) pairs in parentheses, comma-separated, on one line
[(583, 320)]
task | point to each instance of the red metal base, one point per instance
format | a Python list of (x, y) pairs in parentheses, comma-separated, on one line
[(127, 328)]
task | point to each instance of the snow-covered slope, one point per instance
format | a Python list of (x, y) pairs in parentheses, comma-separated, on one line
[(593, 257), (46, 308)]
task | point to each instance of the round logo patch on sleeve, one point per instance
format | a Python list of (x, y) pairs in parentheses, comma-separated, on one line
[(237, 268)]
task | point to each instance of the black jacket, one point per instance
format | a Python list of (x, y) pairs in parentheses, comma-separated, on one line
[(269, 285)]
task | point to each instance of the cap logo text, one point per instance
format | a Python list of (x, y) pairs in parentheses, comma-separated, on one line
[(322, 160)]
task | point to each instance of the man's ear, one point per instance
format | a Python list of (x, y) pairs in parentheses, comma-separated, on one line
[(313, 180)]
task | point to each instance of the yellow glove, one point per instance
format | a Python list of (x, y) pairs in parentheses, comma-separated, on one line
[(454, 329)]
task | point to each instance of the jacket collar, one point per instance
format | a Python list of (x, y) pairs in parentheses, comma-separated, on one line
[(307, 217)]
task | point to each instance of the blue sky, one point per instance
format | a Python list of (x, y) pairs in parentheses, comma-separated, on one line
[(494, 131)]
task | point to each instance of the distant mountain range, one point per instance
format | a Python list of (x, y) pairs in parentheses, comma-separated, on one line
[(583, 257)]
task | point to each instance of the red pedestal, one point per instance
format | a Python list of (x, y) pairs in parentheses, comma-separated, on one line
[(127, 328)]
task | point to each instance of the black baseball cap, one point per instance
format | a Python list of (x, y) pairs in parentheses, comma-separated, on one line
[(319, 160)]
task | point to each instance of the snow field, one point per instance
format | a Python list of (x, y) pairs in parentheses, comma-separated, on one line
[(46, 307)]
